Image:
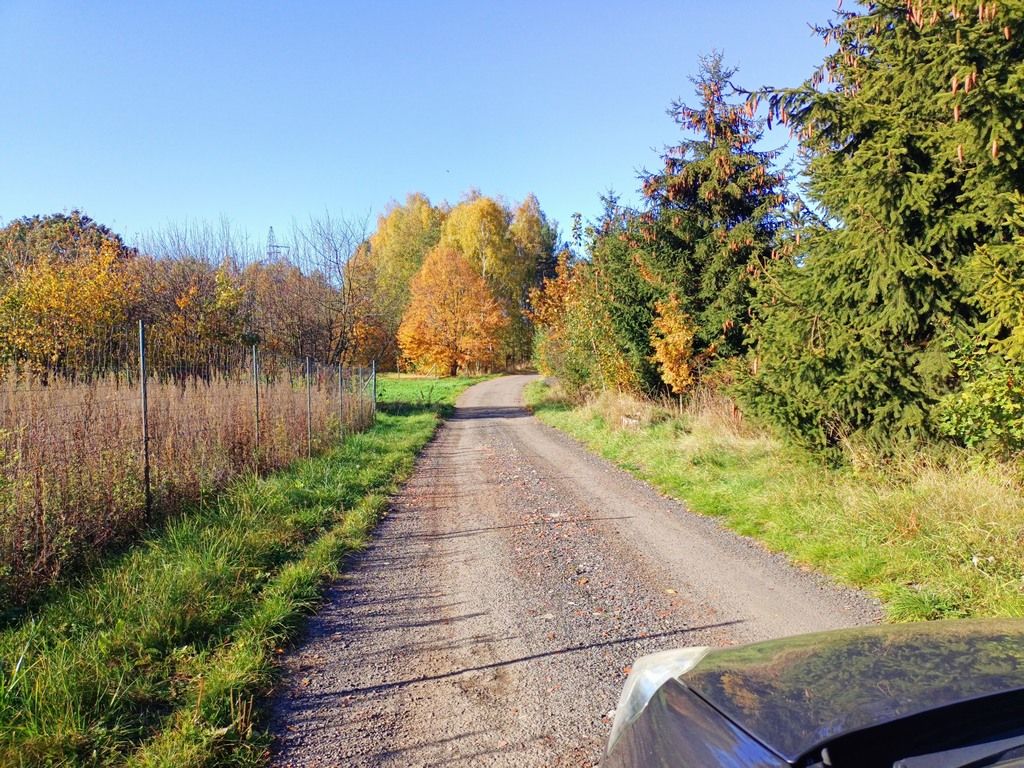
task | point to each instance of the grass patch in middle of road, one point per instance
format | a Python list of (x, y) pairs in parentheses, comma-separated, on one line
[(156, 658), (932, 537)]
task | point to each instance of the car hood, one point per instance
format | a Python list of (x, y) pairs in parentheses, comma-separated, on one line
[(797, 694)]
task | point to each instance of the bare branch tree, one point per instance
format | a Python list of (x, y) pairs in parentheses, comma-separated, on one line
[(329, 248)]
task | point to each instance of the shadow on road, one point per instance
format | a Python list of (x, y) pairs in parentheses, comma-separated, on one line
[(469, 413), (462, 413), (440, 535), (524, 659)]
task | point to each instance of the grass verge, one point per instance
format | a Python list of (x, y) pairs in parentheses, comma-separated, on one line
[(931, 537), (156, 658)]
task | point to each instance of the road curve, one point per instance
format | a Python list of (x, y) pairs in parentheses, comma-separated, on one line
[(515, 579)]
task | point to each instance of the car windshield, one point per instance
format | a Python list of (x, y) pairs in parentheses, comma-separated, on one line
[(1005, 752), (984, 732)]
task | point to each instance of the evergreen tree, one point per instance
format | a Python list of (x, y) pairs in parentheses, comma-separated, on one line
[(711, 214), (987, 410), (911, 133), (628, 300), (684, 267), (592, 318)]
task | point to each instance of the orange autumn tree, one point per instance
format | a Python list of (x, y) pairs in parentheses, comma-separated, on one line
[(672, 339), (453, 320)]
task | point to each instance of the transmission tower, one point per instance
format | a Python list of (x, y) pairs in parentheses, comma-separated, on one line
[(274, 250)]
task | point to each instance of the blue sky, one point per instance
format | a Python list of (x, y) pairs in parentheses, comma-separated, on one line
[(143, 114)]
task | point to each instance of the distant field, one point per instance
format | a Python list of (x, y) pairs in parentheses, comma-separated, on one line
[(400, 392), (159, 657), (932, 537)]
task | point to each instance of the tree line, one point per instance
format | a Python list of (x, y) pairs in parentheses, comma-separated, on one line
[(434, 288), (878, 295)]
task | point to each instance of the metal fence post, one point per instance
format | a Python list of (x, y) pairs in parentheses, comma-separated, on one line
[(309, 410), (145, 418), (373, 402), (256, 390), (341, 401)]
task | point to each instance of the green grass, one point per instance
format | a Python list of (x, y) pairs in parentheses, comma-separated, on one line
[(157, 658), (931, 537)]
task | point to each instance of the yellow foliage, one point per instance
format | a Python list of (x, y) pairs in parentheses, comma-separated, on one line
[(478, 230), (575, 336), (453, 320), (531, 236), (506, 248), (52, 309), (373, 341), (672, 339), (548, 301), (206, 307), (404, 235)]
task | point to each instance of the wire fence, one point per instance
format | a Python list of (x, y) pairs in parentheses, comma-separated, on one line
[(120, 433)]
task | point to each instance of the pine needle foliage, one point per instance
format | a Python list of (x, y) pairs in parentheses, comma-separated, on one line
[(711, 214), (627, 299), (912, 138)]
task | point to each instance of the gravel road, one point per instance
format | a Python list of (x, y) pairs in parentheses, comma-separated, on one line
[(515, 579)]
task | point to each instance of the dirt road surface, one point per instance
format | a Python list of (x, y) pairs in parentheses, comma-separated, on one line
[(514, 581)]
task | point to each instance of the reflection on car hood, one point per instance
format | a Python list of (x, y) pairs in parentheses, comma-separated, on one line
[(798, 693)]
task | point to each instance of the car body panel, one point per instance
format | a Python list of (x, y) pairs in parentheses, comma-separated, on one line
[(797, 694), (678, 729)]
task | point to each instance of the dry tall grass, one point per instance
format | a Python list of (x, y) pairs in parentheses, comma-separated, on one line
[(622, 410), (705, 411), (71, 455)]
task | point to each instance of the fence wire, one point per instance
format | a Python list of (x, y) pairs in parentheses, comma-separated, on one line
[(85, 466)]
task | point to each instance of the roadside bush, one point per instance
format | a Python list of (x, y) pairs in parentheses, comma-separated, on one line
[(575, 336), (988, 410), (622, 410)]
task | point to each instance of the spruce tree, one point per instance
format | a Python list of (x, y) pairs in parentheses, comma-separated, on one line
[(628, 299), (711, 213), (913, 144)]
